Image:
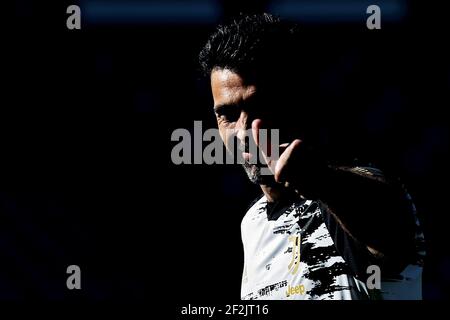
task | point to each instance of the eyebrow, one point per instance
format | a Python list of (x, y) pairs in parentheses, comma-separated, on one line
[(250, 100), (225, 106)]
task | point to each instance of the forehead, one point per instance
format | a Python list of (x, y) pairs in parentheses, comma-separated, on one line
[(229, 88)]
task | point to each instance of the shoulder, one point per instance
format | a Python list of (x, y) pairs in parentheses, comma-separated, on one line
[(365, 172), (256, 207), (256, 203)]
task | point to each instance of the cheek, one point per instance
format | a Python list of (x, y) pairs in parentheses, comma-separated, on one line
[(224, 134), (227, 135)]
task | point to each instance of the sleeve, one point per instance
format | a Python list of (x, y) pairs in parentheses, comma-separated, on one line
[(371, 219)]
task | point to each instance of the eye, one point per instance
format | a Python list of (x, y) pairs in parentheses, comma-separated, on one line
[(228, 113)]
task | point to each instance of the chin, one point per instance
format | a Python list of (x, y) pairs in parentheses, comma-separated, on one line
[(255, 176)]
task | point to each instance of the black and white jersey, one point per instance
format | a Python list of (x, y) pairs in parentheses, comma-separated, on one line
[(300, 252)]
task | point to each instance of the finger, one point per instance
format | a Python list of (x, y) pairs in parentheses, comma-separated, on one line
[(263, 142), (256, 126), (283, 167)]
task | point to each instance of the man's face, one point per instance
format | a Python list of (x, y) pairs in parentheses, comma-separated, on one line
[(236, 106)]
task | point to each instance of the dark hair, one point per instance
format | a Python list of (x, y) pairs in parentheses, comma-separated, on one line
[(275, 56), (249, 43)]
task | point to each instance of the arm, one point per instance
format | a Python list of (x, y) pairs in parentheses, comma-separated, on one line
[(371, 208)]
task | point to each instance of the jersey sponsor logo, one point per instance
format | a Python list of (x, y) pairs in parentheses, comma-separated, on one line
[(294, 290), (295, 261), (268, 290)]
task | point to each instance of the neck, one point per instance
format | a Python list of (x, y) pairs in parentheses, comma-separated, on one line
[(273, 192)]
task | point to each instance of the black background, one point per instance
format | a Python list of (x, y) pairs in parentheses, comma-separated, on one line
[(86, 173)]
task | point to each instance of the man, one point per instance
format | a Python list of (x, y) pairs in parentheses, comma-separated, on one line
[(318, 228)]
